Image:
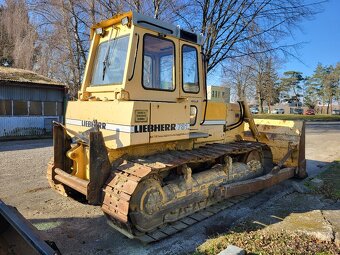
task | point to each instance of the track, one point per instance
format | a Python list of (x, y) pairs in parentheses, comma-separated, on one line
[(170, 217)]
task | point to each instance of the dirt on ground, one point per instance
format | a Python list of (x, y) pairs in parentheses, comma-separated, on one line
[(81, 229)]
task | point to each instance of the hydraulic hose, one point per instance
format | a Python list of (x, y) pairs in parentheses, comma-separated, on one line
[(240, 120)]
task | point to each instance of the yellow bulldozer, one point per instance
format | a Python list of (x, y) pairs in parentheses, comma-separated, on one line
[(144, 142)]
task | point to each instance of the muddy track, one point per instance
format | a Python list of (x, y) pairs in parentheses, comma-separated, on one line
[(119, 190)]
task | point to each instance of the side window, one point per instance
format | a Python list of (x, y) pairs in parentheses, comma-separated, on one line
[(190, 69), (147, 71), (158, 63), (5, 107), (166, 72), (20, 108), (35, 108), (50, 109)]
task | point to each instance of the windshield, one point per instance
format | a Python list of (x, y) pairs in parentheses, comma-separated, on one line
[(110, 61)]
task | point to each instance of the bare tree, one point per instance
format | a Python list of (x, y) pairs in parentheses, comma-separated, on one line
[(254, 78), (267, 89), (64, 29), (18, 35), (236, 28), (240, 76), (159, 9)]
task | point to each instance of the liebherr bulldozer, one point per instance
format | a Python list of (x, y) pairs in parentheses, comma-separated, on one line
[(144, 142)]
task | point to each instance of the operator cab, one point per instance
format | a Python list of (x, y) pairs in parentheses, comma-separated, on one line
[(137, 58)]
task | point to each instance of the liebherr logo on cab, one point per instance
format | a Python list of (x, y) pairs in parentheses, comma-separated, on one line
[(130, 128), (160, 127), (88, 123)]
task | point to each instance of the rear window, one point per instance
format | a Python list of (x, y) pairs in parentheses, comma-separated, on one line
[(190, 69)]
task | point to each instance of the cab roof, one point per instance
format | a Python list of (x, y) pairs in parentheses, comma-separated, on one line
[(156, 25)]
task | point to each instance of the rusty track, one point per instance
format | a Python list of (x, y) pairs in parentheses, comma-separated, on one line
[(172, 228), (120, 187)]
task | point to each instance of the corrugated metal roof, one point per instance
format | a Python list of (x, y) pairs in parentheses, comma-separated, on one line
[(31, 93), (21, 75)]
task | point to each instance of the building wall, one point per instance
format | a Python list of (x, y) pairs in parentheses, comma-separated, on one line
[(22, 126), (29, 109), (218, 94)]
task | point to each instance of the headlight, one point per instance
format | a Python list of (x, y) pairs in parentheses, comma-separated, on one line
[(100, 31), (125, 21)]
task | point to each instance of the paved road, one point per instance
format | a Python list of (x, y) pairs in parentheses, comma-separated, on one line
[(82, 229), (322, 144)]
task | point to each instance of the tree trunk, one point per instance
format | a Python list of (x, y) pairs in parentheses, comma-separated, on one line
[(268, 107), (327, 108), (261, 105)]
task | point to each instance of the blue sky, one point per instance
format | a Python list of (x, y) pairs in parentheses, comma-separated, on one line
[(321, 43), (322, 37)]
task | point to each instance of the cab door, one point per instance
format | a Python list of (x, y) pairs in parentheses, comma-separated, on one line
[(191, 82)]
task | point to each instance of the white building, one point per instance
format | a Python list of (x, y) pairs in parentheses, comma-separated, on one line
[(218, 94)]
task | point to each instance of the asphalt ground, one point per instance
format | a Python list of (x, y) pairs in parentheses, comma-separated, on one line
[(81, 229)]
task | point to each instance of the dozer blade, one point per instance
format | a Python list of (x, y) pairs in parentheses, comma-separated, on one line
[(18, 236), (286, 139)]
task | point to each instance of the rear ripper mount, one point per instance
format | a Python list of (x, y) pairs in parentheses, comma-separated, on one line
[(152, 197)]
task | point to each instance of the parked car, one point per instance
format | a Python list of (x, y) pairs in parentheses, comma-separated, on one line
[(278, 111), (297, 111), (336, 112), (310, 112), (254, 110)]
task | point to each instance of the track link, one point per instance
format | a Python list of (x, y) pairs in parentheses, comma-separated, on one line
[(121, 185)]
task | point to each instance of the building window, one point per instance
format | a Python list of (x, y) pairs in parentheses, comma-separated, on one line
[(20, 108), (158, 63), (5, 107), (189, 69), (50, 108), (35, 108), (60, 111)]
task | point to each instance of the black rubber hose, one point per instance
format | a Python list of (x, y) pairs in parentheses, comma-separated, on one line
[(205, 86), (240, 120)]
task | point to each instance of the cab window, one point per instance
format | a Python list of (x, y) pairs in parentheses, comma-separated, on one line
[(110, 61), (158, 63), (190, 69)]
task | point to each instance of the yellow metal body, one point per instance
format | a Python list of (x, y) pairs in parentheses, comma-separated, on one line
[(137, 121), (282, 135)]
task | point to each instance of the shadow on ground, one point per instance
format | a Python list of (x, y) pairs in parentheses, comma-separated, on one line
[(269, 207), (25, 144)]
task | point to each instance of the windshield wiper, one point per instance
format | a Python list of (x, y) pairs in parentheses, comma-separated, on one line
[(105, 62)]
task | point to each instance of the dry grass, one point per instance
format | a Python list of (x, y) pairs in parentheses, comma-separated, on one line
[(261, 242), (318, 117), (20, 75), (331, 181)]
